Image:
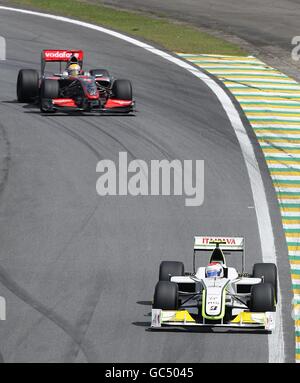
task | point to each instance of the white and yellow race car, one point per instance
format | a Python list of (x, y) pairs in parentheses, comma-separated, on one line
[(216, 295)]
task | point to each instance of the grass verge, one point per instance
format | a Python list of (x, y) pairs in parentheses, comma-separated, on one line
[(173, 36)]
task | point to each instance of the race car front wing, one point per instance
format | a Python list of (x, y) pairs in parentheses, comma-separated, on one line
[(182, 318), (69, 105)]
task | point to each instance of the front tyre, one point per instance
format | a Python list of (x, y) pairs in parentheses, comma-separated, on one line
[(166, 296), (262, 298), (122, 90), (49, 91)]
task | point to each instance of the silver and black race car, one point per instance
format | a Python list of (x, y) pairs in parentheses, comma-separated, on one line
[(232, 300), (89, 91)]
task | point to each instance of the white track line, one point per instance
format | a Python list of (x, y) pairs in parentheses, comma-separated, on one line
[(276, 340)]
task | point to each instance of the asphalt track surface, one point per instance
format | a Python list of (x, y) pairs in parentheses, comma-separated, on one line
[(78, 270), (262, 23), (266, 27)]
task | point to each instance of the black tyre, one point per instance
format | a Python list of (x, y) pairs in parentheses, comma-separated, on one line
[(262, 298), (122, 90), (49, 89), (27, 85), (267, 271), (169, 269), (166, 296), (102, 72)]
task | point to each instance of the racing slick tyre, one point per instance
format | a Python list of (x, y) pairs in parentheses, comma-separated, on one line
[(166, 296), (267, 271), (102, 72), (262, 298), (27, 85), (169, 269), (49, 90), (122, 90)]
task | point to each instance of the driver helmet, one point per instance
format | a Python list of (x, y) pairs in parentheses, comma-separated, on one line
[(74, 70), (214, 270)]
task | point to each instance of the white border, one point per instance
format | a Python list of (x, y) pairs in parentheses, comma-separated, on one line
[(276, 340)]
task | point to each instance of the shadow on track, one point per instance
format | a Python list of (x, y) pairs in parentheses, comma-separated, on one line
[(144, 303), (205, 330)]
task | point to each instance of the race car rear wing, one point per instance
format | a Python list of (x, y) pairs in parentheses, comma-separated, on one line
[(60, 55), (218, 244), (226, 243)]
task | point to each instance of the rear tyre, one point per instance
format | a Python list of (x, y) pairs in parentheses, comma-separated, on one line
[(122, 90), (166, 296), (267, 271), (27, 85), (169, 269), (262, 298)]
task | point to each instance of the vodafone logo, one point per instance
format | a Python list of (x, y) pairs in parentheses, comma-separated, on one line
[(61, 55)]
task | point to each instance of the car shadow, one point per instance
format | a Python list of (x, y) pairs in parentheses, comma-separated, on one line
[(76, 113), (144, 303), (200, 330), (10, 102), (33, 108)]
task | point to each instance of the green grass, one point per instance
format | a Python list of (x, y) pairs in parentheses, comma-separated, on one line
[(173, 36)]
